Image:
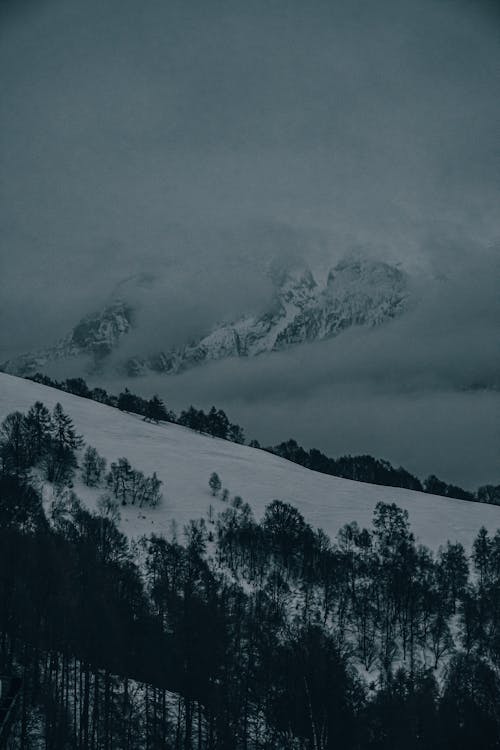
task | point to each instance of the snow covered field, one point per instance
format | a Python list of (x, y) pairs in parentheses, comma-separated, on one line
[(184, 461)]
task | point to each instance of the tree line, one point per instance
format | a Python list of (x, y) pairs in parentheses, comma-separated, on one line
[(48, 442), (364, 468), (377, 471)]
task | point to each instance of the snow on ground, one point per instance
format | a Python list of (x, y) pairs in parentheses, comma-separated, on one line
[(184, 461)]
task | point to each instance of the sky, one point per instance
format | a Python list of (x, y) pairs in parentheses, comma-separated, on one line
[(172, 149)]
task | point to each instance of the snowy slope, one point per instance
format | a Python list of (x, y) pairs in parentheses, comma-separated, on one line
[(184, 461)]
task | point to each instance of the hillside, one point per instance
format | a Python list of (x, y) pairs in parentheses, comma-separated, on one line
[(184, 461)]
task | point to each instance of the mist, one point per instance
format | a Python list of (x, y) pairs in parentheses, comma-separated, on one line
[(147, 138), (168, 152), (421, 391)]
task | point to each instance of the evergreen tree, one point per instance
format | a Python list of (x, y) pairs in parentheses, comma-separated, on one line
[(236, 434), (63, 430), (435, 486), (217, 423), (39, 428), (78, 387), (214, 483), (128, 401), (60, 459), (193, 418), (155, 410), (481, 555), (100, 395)]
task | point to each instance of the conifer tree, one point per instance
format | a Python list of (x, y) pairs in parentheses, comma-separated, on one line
[(236, 434), (63, 430), (39, 429), (60, 460), (217, 423), (214, 483), (155, 410), (481, 555)]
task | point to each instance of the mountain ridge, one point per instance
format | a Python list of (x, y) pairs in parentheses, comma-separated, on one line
[(355, 292)]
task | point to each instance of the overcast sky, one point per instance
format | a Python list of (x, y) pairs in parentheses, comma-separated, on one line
[(189, 142), (138, 135)]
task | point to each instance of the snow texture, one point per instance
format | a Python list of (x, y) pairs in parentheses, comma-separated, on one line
[(184, 461)]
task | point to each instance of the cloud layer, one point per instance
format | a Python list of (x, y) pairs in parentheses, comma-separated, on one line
[(140, 137), (422, 390), (169, 150)]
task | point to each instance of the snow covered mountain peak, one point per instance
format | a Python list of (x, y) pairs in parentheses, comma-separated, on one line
[(99, 333), (95, 336), (355, 292)]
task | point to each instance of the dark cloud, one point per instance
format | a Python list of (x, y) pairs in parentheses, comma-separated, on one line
[(367, 122)]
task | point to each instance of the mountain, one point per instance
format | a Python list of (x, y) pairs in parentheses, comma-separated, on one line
[(94, 337), (356, 292), (184, 461)]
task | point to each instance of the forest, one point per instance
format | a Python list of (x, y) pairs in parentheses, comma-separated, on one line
[(364, 468), (235, 632)]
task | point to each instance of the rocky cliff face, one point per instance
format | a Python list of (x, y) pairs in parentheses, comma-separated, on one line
[(304, 309), (95, 337), (355, 293)]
